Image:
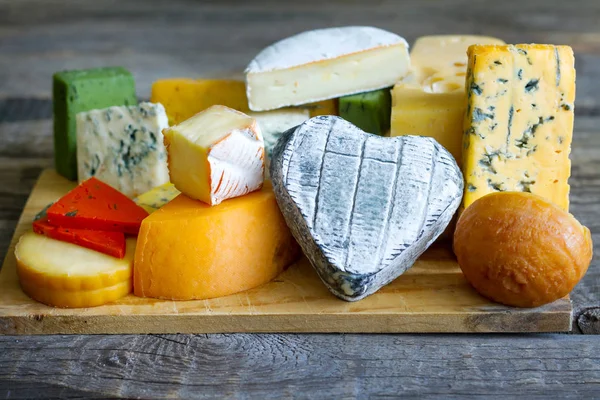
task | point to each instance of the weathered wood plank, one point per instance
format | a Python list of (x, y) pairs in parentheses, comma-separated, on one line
[(183, 38), (305, 366), (177, 37)]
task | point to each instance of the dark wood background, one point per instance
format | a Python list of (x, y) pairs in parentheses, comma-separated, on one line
[(157, 39)]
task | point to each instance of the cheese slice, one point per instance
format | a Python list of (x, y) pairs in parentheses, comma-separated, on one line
[(324, 64), (274, 123), (155, 198), (216, 155), (62, 274), (188, 250), (123, 147), (432, 101), (519, 121), (443, 56)]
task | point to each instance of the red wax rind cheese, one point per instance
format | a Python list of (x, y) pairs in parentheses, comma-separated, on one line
[(110, 243), (97, 206)]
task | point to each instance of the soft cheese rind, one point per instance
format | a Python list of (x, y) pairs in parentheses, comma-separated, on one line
[(325, 64), (216, 155), (123, 147), (362, 207), (321, 44)]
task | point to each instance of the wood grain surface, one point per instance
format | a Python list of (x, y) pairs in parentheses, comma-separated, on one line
[(191, 38), (432, 296)]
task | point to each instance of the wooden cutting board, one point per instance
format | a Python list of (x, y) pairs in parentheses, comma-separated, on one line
[(432, 296)]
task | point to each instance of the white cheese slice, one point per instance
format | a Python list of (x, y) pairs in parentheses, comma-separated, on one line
[(324, 64), (216, 155), (362, 207), (274, 123), (123, 147)]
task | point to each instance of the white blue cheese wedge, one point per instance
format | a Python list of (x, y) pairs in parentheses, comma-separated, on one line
[(325, 64), (363, 207), (274, 123), (123, 147)]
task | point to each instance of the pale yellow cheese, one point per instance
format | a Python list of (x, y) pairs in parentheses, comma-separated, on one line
[(437, 115), (444, 56), (432, 100), (216, 155)]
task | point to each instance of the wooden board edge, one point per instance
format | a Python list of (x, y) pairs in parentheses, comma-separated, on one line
[(523, 322)]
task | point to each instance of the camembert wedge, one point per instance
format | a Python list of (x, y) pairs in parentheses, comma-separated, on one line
[(216, 155)]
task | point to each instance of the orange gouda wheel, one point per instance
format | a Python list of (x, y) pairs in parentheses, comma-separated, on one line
[(521, 250), (189, 250)]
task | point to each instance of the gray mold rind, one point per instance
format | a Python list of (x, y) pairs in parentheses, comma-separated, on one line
[(356, 262)]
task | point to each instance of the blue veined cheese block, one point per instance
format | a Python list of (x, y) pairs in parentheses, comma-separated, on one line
[(363, 207), (123, 147)]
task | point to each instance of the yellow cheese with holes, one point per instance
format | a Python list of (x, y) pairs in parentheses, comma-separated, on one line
[(217, 154), (438, 57), (432, 100), (519, 121)]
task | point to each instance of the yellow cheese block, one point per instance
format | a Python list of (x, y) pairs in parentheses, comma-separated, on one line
[(155, 198), (188, 250), (184, 98), (325, 107), (66, 275), (519, 121), (438, 115), (216, 155), (432, 101)]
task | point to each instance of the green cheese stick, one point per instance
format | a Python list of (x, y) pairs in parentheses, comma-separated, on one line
[(370, 111), (84, 90)]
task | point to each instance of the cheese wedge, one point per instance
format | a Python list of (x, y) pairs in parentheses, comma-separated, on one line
[(216, 155), (123, 147), (188, 250), (154, 199), (325, 64), (519, 121), (274, 123), (62, 274)]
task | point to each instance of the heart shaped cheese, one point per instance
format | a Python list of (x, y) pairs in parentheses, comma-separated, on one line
[(362, 207)]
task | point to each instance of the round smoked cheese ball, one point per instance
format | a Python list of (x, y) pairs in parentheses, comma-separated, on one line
[(521, 250)]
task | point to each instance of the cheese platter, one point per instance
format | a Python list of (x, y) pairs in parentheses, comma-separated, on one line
[(347, 185)]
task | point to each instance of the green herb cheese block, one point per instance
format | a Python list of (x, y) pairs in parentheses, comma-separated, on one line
[(370, 111), (83, 90)]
